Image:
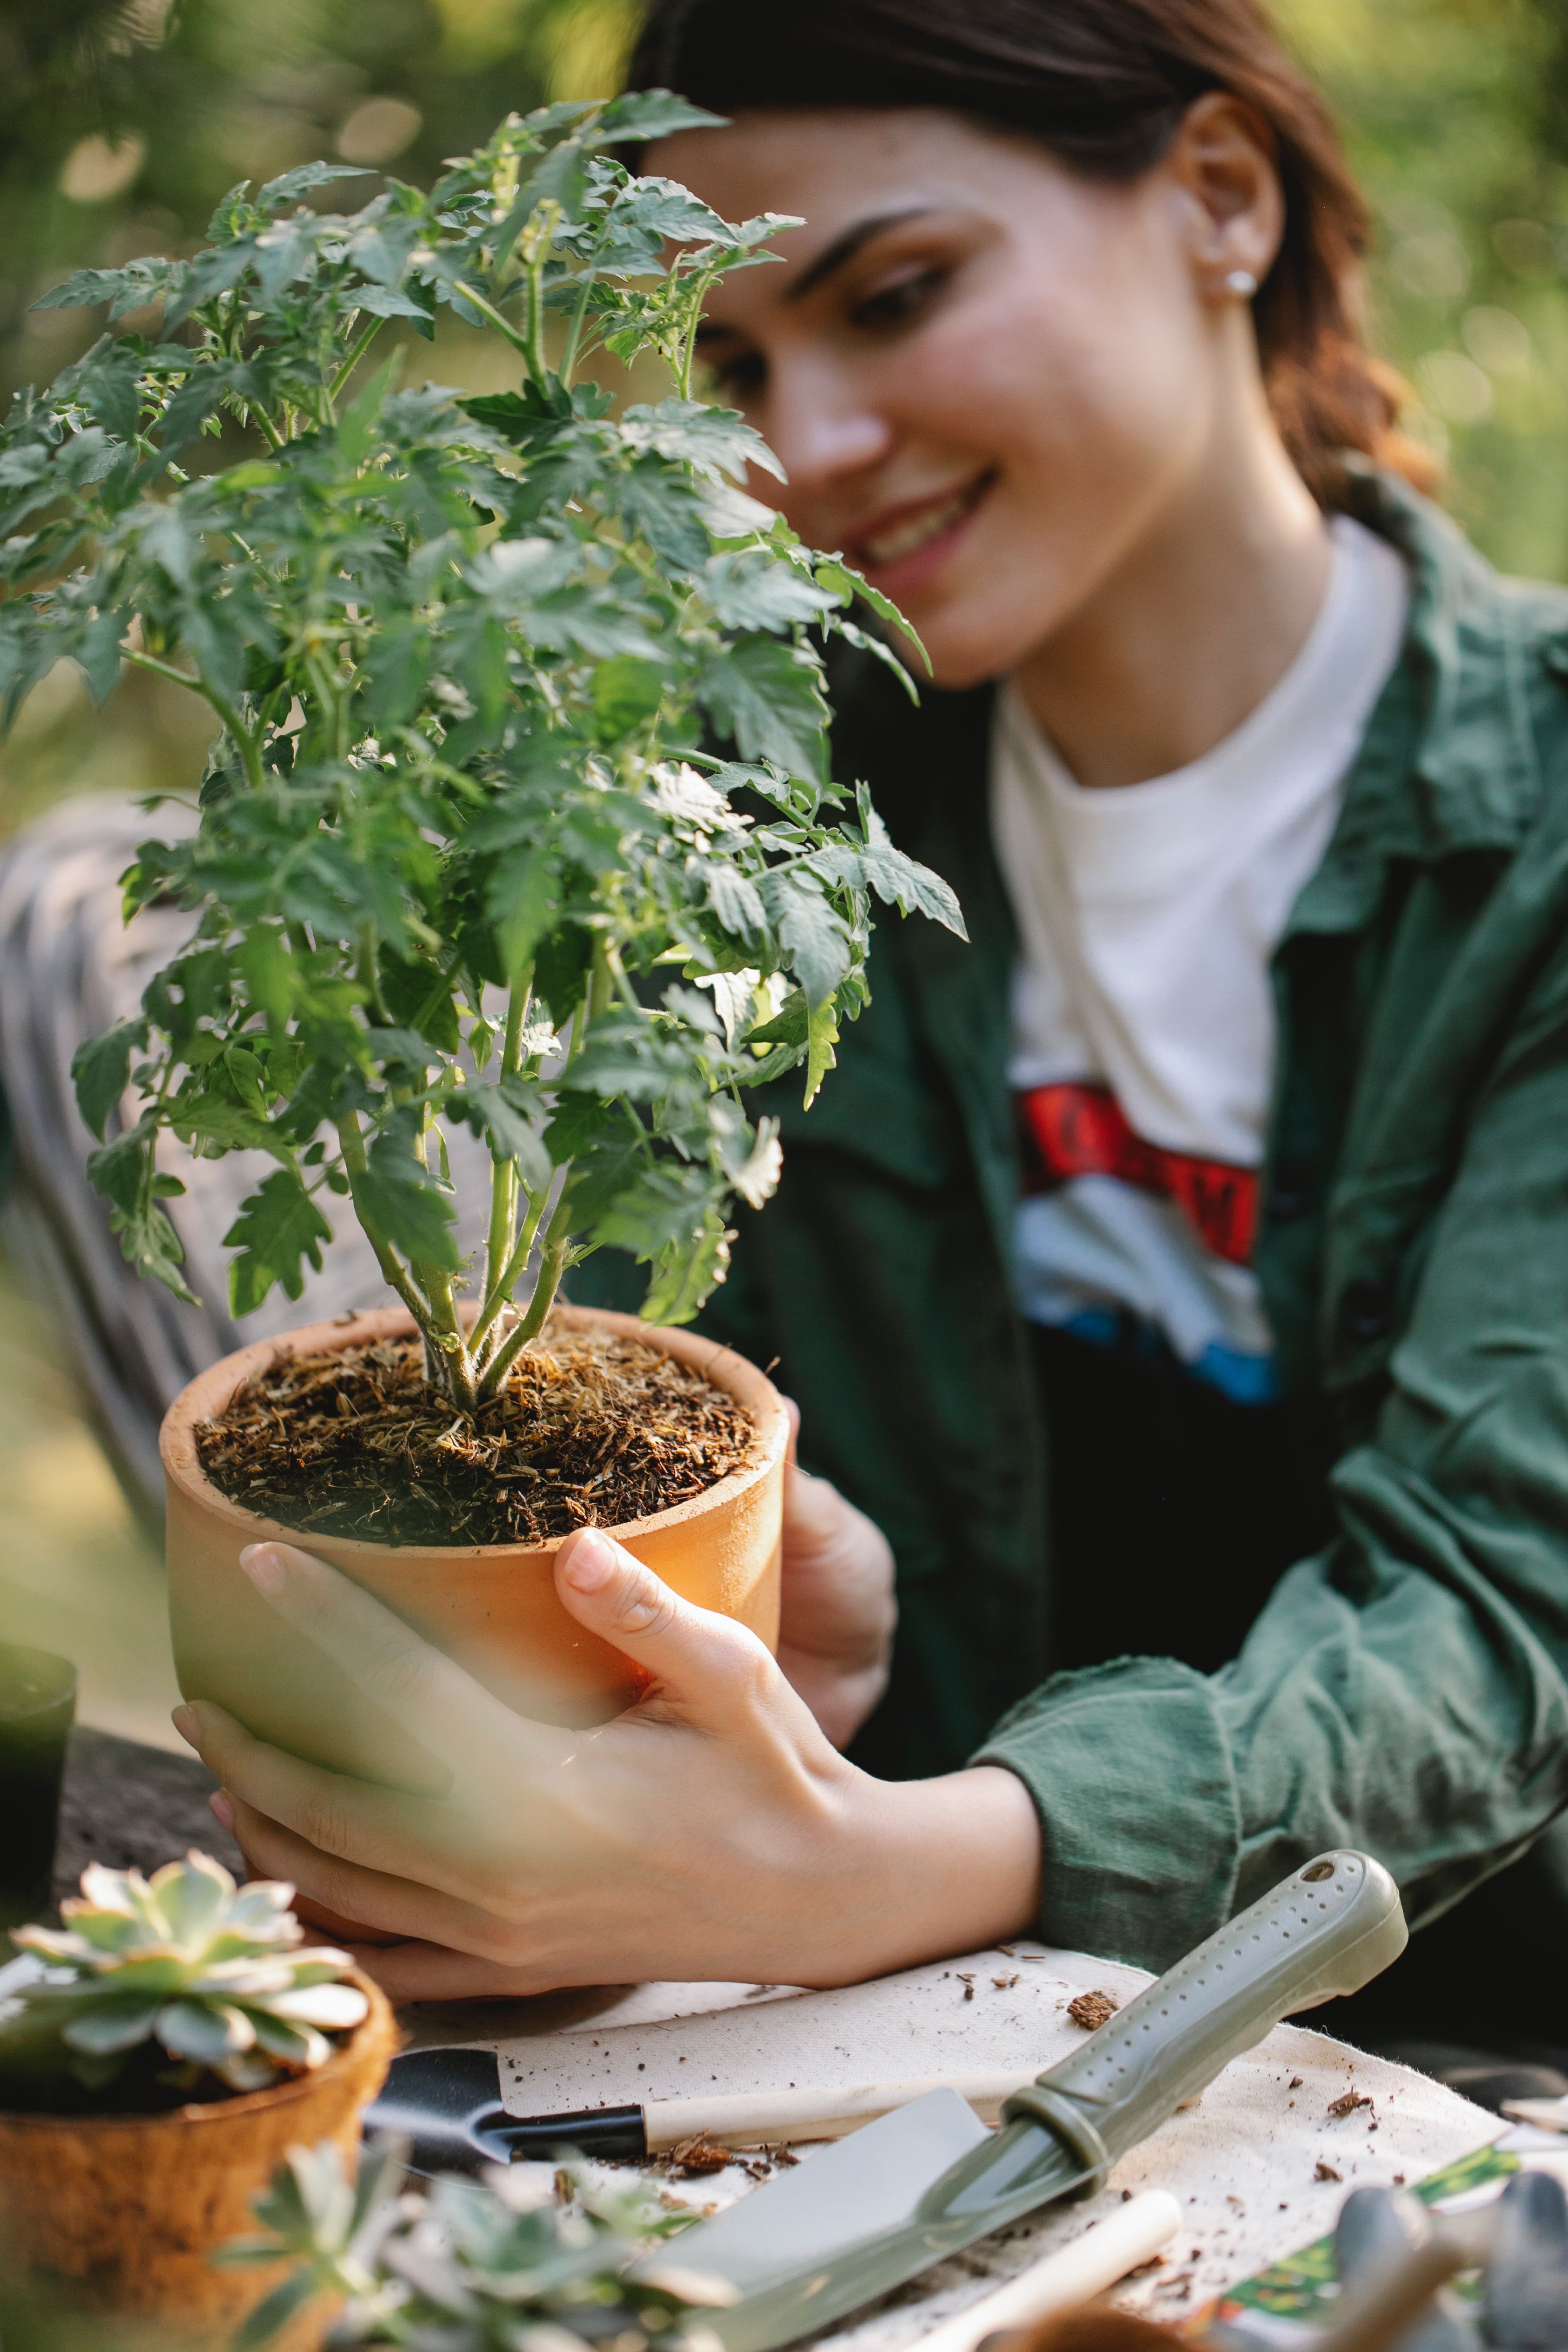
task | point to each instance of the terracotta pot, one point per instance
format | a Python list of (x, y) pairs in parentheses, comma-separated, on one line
[(492, 1607), (120, 2212)]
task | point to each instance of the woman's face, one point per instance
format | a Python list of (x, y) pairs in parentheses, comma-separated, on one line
[(990, 381)]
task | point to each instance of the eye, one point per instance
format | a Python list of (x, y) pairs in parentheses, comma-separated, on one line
[(739, 374), (904, 299)]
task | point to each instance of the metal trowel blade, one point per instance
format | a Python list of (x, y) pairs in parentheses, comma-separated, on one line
[(446, 2104), (859, 2186)]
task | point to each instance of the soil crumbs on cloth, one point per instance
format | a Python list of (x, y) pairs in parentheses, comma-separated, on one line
[(593, 1430)]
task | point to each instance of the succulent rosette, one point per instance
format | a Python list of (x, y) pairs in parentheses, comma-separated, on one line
[(183, 1966)]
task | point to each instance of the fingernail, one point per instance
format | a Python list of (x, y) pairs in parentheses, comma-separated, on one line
[(183, 1719), (591, 1561), (263, 1567), (221, 1810)]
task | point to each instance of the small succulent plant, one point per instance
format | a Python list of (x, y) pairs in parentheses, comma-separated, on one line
[(525, 2260), (182, 1967)]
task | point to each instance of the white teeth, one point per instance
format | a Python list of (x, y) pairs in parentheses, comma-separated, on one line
[(905, 537)]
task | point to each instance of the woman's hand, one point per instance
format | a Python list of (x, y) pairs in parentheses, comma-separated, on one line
[(709, 1832), (838, 1616)]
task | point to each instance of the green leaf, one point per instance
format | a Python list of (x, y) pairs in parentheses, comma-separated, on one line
[(272, 2314), (521, 898), (821, 1036), (902, 882), (790, 1024), (715, 441), (420, 995), (214, 1119), (119, 1170), (149, 1241), (268, 969), (735, 900), (627, 693), (301, 179), (854, 588), (755, 590), (664, 1208), (815, 935), (213, 272), (767, 695), (653, 114), (506, 1113), (101, 1068), (276, 1228), (686, 1272), (205, 2031), (113, 2025), (403, 1204)]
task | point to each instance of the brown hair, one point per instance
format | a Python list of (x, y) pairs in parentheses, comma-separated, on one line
[(1103, 85)]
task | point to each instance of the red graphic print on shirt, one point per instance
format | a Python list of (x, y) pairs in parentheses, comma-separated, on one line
[(1082, 1130)]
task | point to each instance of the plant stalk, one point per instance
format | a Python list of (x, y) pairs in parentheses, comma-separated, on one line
[(355, 354), (557, 1241), (249, 749)]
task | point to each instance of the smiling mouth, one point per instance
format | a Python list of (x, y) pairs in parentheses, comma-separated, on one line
[(906, 537)]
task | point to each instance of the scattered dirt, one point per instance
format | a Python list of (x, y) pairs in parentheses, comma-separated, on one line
[(1349, 2102), (593, 1430), (1091, 2009), (1326, 2172), (697, 2154)]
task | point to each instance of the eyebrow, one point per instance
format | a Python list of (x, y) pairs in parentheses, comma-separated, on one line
[(844, 248), (827, 263)]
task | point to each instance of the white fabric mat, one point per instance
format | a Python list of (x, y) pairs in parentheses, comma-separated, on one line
[(1244, 2162)]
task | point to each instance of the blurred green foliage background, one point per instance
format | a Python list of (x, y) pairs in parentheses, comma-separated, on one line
[(123, 121)]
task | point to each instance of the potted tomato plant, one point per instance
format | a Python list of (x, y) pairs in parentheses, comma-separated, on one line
[(159, 2055), (464, 859)]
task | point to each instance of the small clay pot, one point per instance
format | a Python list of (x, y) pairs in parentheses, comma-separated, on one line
[(120, 2213), (492, 1607)]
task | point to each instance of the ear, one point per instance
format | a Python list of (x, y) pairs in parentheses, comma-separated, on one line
[(1223, 160)]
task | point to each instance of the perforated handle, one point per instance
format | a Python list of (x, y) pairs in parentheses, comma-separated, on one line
[(1326, 1930)]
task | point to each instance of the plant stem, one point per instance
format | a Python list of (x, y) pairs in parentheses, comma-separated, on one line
[(355, 354), (351, 1142), (249, 749), (456, 1359), (487, 311), (500, 1291), (504, 1183), (574, 332), (541, 237), (556, 1240)]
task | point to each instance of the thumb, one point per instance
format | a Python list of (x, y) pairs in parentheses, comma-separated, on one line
[(704, 1668)]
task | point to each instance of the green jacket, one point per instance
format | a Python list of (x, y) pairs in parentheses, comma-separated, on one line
[(1407, 1689)]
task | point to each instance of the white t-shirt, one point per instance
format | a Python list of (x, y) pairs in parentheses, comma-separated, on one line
[(1142, 1018)]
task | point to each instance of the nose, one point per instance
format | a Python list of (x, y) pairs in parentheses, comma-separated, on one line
[(823, 429)]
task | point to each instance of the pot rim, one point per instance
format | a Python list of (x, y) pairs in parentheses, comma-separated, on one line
[(210, 1392), (377, 2021)]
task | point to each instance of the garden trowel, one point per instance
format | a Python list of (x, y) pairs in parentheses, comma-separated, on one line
[(902, 2193)]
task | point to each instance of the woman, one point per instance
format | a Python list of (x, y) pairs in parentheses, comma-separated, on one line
[(1176, 1276)]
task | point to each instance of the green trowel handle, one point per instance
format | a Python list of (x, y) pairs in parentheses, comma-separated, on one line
[(1327, 1929)]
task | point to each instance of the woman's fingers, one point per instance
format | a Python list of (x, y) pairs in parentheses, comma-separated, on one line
[(413, 1971), (353, 1821), (375, 1898), (416, 1684), (710, 1670)]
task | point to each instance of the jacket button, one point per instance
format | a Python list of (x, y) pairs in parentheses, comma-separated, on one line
[(1366, 1310), (1289, 1193)]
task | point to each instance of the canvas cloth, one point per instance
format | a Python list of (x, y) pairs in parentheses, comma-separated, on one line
[(1243, 2162)]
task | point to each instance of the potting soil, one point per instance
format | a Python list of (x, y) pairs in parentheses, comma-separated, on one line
[(592, 1430)]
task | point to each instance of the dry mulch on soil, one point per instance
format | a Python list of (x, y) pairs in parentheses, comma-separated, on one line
[(594, 1430)]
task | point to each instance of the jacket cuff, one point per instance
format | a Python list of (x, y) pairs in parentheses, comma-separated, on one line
[(1131, 1774)]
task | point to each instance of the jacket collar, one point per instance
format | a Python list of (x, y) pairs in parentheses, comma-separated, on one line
[(1449, 762)]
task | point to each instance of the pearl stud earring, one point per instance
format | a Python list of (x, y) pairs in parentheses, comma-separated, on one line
[(1242, 284)]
